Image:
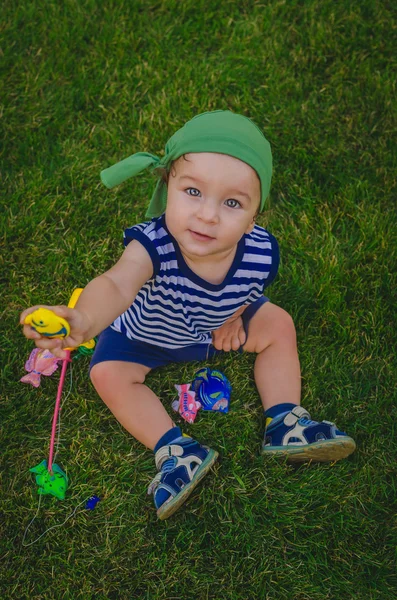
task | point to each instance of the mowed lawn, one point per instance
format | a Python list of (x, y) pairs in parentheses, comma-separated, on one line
[(87, 83)]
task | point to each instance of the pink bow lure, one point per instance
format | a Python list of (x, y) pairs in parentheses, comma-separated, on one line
[(40, 362), (186, 405)]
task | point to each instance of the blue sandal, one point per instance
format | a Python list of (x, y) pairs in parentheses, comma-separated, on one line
[(181, 467), (296, 437)]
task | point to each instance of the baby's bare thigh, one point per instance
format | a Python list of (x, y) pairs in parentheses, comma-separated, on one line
[(112, 374), (269, 323)]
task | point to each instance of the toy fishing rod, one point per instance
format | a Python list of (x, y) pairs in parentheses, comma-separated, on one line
[(50, 478)]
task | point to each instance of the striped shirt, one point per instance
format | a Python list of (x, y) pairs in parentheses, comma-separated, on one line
[(176, 307)]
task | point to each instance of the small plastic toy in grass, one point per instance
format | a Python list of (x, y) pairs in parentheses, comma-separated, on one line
[(212, 389), (55, 483), (92, 502), (186, 405), (40, 362)]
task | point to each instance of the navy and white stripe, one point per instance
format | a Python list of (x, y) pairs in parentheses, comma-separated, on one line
[(176, 307)]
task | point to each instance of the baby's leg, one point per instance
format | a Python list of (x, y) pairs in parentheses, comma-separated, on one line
[(182, 462), (271, 335), (289, 428), (135, 406)]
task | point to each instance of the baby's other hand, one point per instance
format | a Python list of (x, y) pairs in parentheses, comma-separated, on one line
[(231, 335), (78, 327)]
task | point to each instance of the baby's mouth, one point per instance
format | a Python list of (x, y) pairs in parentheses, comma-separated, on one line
[(200, 236)]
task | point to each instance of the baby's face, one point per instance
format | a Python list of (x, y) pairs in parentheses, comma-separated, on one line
[(212, 201)]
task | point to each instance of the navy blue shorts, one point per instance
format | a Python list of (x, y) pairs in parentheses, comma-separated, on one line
[(116, 346)]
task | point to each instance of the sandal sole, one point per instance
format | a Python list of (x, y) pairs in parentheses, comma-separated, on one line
[(168, 509), (324, 451)]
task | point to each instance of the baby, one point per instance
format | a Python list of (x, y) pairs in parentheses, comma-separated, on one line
[(189, 285)]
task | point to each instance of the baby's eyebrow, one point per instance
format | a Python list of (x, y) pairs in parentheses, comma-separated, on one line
[(237, 192), (191, 177), (240, 193)]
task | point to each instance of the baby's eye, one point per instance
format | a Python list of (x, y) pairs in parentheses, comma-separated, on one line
[(232, 203), (193, 192)]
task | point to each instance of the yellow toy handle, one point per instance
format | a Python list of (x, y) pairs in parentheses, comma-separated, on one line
[(74, 297), (71, 304)]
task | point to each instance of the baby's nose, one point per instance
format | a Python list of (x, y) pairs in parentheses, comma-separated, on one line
[(208, 211)]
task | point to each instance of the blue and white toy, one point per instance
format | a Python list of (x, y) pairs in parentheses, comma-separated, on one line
[(212, 389)]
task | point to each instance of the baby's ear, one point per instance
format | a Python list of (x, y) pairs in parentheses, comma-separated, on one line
[(251, 225)]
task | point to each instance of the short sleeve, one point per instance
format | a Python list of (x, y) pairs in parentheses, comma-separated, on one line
[(140, 233)]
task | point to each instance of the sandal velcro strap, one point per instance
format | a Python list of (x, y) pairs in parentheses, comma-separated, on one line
[(165, 452), (296, 413)]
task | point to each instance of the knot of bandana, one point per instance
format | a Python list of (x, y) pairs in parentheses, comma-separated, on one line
[(131, 166), (219, 131)]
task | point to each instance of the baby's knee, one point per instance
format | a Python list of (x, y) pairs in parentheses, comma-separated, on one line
[(110, 375), (284, 326), (99, 375), (270, 325)]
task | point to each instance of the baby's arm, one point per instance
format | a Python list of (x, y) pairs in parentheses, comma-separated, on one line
[(104, 299), (109, 295)]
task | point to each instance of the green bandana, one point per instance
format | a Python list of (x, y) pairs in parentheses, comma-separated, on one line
[(219, 131)]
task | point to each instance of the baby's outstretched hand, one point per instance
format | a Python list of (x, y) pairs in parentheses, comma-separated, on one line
[(231, 335), (76, 321)]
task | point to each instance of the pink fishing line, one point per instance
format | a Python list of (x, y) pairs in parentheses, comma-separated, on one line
[(56, 410)]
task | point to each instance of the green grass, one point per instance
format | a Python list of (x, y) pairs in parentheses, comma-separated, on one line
[(86, 83)]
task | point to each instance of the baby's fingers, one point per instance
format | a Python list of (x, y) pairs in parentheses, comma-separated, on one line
[(63, 311), (235, 343), (242, 336), (30, 333), (55, 346), (59, 353)]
